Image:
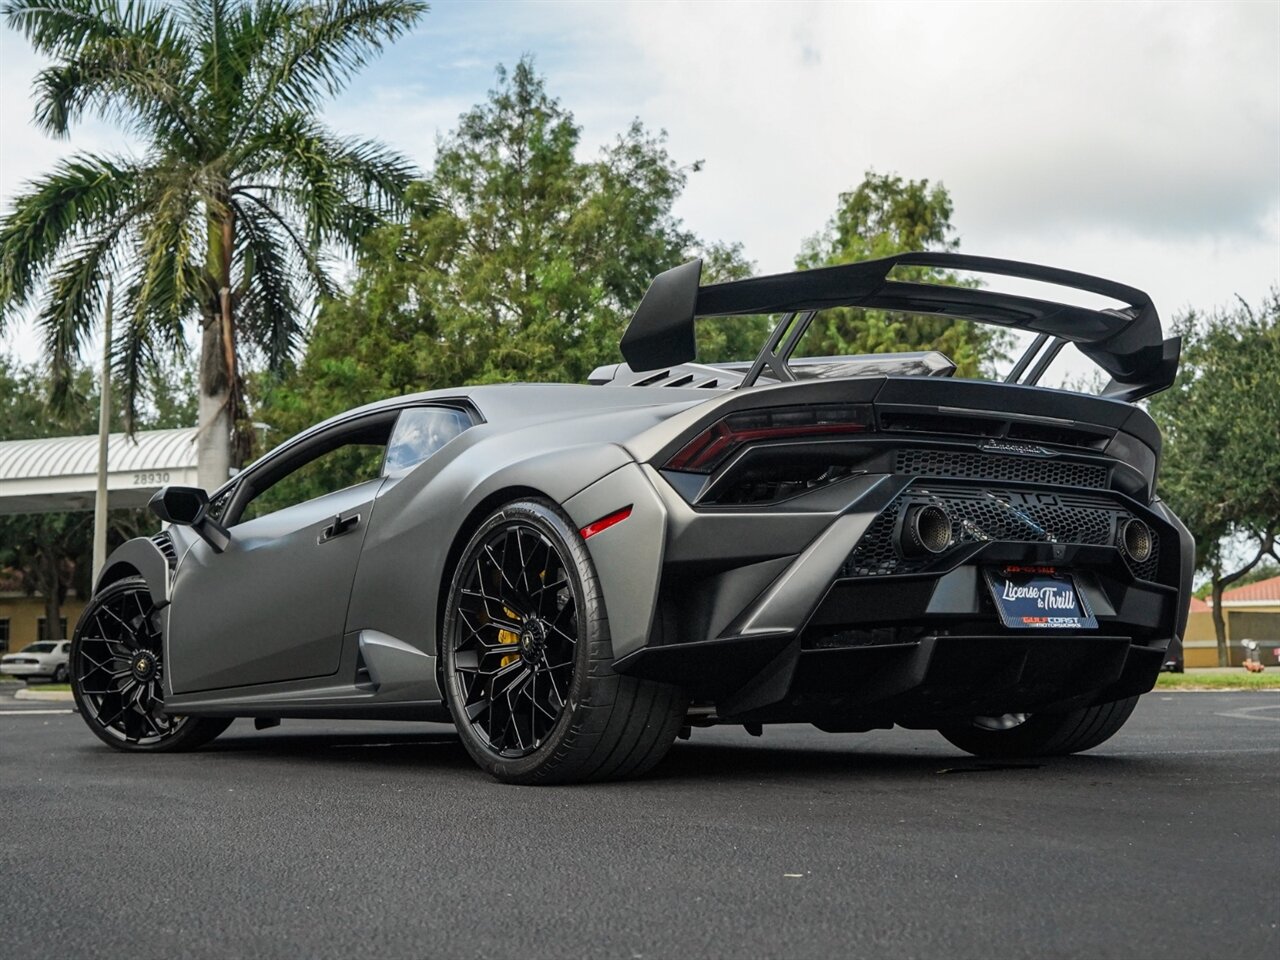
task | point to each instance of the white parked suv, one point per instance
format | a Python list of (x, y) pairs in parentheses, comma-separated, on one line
[(47, 658)]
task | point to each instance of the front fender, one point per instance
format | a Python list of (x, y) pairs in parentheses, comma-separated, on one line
[(138, 557)]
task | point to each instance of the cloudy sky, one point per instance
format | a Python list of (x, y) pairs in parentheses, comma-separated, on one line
[(1136, 141)]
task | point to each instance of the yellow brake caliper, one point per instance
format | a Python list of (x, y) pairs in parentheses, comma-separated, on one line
[(507, 637)]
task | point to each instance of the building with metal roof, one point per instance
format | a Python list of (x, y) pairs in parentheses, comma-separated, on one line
[(61, 473)]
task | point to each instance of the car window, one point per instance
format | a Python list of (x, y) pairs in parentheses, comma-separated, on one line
[(41, 647), (420, 432), (342, 467), (66, 648)]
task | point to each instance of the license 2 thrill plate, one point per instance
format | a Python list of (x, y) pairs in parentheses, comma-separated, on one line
[(1039, 598)]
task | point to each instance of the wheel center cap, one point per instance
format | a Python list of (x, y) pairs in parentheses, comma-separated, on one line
[(143, 665), (533, 640)]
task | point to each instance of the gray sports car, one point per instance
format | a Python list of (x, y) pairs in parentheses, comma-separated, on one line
[(576, 575)]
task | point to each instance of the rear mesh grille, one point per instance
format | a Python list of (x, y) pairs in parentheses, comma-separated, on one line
[(980, 514), (987, 466)]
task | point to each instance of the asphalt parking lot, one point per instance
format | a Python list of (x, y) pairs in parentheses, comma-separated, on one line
[(319, 839)]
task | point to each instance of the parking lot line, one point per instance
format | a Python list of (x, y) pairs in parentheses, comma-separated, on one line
[(23, 713)]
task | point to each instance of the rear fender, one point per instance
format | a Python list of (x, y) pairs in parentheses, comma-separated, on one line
[(628, 555)]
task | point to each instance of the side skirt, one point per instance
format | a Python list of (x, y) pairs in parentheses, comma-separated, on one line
[(382, 678)]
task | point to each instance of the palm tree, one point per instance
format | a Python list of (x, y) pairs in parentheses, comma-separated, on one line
[(228, 213)]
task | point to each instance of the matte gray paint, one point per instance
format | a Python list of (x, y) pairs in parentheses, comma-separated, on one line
[(535, 438), (628, 555), (271, 606), (398, 588), (395, 666)]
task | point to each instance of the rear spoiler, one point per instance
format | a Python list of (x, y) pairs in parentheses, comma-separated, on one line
[(1127, 343)]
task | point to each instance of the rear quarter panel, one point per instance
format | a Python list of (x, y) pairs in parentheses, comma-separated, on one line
[(401, 584)]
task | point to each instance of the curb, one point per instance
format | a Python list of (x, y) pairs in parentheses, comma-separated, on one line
[(27, 693)]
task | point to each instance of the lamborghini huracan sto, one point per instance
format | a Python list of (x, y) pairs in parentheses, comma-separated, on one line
[(576, 575)]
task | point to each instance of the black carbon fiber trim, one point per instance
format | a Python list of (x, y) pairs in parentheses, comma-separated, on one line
[(987, 513)]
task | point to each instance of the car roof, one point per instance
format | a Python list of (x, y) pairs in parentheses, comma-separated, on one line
[(501, 402)]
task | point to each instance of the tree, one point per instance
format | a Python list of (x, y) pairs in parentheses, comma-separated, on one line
[(52, 551), (885, 215), (1220, 470), (526, 268), (227, 215)]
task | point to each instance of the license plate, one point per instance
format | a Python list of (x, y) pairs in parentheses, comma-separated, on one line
[(1039, 598)]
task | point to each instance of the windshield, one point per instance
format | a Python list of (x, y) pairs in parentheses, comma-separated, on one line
[(41, 647)]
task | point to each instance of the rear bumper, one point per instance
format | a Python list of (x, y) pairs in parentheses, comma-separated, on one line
[(921, 681), (820, 634)]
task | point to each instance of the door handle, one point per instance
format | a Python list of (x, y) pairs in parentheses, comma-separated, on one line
[(338, 526)]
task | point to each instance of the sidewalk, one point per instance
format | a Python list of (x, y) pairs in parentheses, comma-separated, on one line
[(37, 693)]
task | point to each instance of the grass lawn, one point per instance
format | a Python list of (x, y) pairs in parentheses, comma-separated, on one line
[(1239, 680)]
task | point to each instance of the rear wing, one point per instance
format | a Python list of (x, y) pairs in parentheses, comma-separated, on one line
[(1127, 342)]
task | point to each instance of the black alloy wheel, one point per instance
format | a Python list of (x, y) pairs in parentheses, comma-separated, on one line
[(528, 663), (517, 638), (117, 674), (1040, 734)]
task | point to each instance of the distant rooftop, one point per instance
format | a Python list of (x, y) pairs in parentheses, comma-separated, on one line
[(1264, 591), (60, 473)]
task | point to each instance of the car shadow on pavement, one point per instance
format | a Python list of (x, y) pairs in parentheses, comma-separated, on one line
[(693, 761), (439, 750)]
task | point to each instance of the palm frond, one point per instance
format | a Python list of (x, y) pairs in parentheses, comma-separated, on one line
[(133, 351), (171, 258), (130, 64), (341, 187), (326, 42), (306, 257), (73, 306), (268, 302), (61, 27), (83, 194), (236, 46)]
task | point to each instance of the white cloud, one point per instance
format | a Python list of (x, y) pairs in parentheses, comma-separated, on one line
[(1140, 121)]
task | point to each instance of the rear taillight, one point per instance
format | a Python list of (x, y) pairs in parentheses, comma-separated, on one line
[(709, 449)]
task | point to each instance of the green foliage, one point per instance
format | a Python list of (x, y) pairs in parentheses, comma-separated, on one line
[(1221, 466), (885, 215), (521, 262), (52, 551), (1220, 471), (239, 187)]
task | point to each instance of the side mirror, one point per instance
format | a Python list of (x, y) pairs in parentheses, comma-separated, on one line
[(188, 506), (184, 505)]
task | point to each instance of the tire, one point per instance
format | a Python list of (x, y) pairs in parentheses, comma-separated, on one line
[(117, 662), (1044, 734), (586, 722), (60, 674)]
